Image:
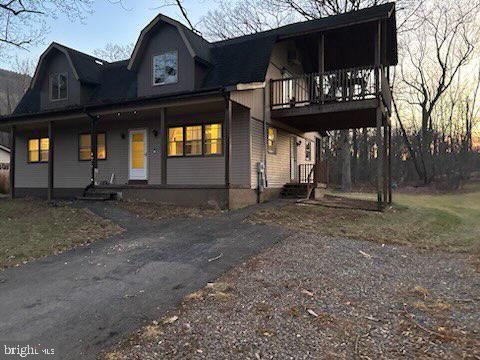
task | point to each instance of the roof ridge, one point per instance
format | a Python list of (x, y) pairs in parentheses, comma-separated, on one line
[(283, 27), (68, 48)]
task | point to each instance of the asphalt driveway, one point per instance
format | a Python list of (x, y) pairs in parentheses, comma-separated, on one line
[(84, 300)]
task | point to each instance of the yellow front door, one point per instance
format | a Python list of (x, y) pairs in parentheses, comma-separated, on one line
[(138, 154)]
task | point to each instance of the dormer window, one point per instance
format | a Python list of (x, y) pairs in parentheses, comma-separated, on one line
[(165, 68), (58, 87)]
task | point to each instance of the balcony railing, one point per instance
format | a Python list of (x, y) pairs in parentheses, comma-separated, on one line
[(328, 87)]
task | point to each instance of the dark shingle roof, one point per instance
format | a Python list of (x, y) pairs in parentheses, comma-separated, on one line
[(240, 60)]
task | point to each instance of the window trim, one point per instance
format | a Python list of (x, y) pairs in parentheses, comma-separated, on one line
[(275, 139), (78, 147), (203, 154), (153, 70), (39, 150), (50, 86)]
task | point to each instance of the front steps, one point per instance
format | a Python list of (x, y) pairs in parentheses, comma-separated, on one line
[(94, 194), (303, 191), (294, 191)]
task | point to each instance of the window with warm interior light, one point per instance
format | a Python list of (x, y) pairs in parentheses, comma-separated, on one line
[(272, 140), (213, 139), (85, 147), (175, 141), (193, 140), (38, 150)]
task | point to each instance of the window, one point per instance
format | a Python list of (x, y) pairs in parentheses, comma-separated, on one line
[(175, 141), (213, 139), (38, 150), (85, 147), (272, 141), (58, 87), (165, 68), (199, 140), (308, 151), (193, 140)]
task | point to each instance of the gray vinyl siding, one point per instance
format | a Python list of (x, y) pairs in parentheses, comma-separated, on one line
[(165, 38), (69, 172), (257, 149), (28, 175), (196, 171), (240, 161), (58, 63), (278, 164)]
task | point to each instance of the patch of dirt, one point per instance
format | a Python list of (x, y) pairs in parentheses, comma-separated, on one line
[(313, 296), (163, 211)]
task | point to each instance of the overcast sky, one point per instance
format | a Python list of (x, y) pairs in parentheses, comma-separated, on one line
[(109, 23)]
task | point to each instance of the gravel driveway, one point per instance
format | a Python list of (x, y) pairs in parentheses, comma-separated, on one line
[(318, 297)]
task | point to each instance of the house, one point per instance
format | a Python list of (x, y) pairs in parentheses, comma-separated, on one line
[(193, 122)]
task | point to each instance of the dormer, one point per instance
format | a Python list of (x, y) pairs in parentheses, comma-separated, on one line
[(169, 58), (65, 77)]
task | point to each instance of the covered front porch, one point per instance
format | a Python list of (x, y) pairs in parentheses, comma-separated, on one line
[(172, 151)]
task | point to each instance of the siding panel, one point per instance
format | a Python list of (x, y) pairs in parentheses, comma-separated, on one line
[(240, 161)]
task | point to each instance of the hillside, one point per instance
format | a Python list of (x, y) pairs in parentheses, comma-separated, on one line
[(12, 88)]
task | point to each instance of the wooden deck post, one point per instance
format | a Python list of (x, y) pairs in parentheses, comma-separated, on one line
[(390, 178), (385, 164), (378, 55), (164, 151), (227, 137), (321, 64), (13, 136), (51, 142), (93, 142), (379, 160)]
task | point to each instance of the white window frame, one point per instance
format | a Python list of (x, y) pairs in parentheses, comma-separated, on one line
[(153, 68), (57, 75)]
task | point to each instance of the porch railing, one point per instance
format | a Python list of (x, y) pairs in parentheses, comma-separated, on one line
[(313, 173), (331, 86)]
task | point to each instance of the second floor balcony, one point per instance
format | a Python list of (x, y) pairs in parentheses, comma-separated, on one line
[(332, 94)]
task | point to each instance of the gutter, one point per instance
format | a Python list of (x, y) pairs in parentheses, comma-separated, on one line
[(7, 120)]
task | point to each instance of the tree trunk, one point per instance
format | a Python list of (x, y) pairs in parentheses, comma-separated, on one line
[(346, 157)]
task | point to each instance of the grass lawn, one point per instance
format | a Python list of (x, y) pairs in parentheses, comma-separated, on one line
[(30, 229), (449, 221)]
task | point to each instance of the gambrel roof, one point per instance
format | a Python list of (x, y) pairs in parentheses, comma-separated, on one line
[(239, 60)]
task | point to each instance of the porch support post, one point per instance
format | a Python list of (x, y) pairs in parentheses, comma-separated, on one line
[(390, 178), (378, 46), (93, 154), (321, 64), (164, 137), (385, 164), (13, 136), (227, 136), (51, 142), (379, 160)]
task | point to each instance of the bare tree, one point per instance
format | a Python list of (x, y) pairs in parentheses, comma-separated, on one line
[(433, 55), (114, 52), (23, 23)]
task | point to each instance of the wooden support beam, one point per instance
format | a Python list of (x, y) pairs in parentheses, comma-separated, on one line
[(379, 160), (164, 150), (321, 64), (227, 136), (378, 55), (13, 137), (51, 144), (390, 177), (385, 164), (93, 136)]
